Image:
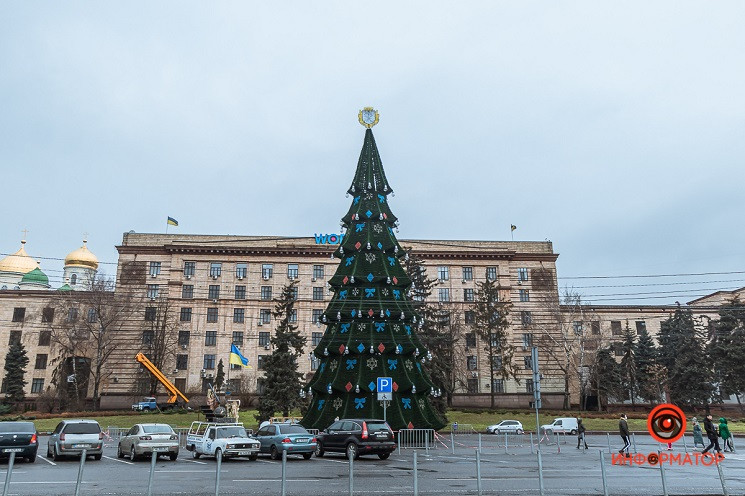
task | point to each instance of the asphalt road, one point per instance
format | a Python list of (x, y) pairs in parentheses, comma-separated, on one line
[(566, 471)]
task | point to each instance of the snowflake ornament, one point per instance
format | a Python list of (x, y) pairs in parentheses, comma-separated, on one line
[(421, 403), (372, 363), (385, 291), (409, 365), (334, 364), (337, 403), (378, 228), (356, 291), (370, 257)]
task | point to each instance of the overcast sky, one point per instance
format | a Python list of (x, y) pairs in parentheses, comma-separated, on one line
[(614, 131)]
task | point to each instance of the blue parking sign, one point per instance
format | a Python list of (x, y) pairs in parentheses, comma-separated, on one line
[(385, 385)]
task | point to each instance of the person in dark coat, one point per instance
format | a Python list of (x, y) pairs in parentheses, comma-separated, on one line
[(698, 437), (623, 429), (580, 434), (711, 433)]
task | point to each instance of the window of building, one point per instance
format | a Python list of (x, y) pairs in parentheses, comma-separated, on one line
[(522, 274), (92, 315), (471, 362), (527, 363), (527, 340), (238, 315), (524, 295), (266, 292), (190, 268), (496, 364), (529, 386), (293, 316), (526, 317), (260, 386), (318, 293), (212, 314), (209, 362), (317, 315), (443, 272), (180, 383), (468, 294), (265, 316), (577, 327), (264, 338), (494, 340), (595, 327), (260, 361), (293, 293), (19, 313), (187, 291), (316, 338), (473, 385), (154, 268), (470, 340), (150, 313), (37, 385), (183, 338), (72, 315), (318, 272), (153, 290), (617, 349), (497, 386), (469, 316), (215, 269), (615, 327), (182, 362), (641, 326), (15, 337), (267, 271), (240, 292), (214, 292), (443, 294), (185, 314), (238, 338), (73, 279), (45, 338), (241, 270), (491, 273), (292, 271), (210, 338), (41, 361), (147, 337), (47, 315), (468, 273)]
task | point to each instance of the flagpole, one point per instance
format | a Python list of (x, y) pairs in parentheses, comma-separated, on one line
[(166, 226)]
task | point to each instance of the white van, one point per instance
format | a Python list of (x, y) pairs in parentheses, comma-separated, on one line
[(567, 425)]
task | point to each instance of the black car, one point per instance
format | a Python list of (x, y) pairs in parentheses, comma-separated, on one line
[(357, 437), (19, 438)]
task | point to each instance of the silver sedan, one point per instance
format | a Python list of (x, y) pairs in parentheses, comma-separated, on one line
[(144, 439)]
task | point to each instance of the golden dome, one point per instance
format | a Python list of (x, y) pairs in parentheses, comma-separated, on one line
[(82, 257), (18, 262)]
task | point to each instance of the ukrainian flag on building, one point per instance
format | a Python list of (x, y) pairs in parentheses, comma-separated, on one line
[(236, 358), (172, 222)]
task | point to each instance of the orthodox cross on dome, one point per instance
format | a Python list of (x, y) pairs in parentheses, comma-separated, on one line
[(85, 237), (25, 232)]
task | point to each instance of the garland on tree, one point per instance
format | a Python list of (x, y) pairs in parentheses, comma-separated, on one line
[(371, 325)]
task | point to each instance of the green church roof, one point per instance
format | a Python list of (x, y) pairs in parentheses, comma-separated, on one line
[(36, 276), (64, 287)]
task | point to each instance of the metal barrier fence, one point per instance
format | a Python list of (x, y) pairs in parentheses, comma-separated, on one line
[(416, 439), (457, 428)]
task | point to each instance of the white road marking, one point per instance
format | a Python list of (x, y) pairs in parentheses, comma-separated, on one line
[(194, 461), (333, 461), (48, 461), (118, 460), (277, 480), (191, 471)]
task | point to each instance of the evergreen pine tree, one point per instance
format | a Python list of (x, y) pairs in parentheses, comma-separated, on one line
[(220, 376), (607, 378), (283, 381), (15, 371), (645, 364), (727, 349), (690, 377), (628, 365), (371, 324)]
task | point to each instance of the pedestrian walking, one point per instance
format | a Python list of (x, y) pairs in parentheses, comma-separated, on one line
[(580, 434), (725, 435), (711, 434), (623, 429), (698, 437)]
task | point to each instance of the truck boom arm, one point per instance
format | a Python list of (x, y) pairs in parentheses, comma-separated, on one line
[(175, 393)]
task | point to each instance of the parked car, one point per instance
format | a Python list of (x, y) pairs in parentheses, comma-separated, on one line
[(506, 426), (71, 437), (148, 404), (221, 439), (293, 438), (144, 439), (20, 438), (563, 424), (357, 437)]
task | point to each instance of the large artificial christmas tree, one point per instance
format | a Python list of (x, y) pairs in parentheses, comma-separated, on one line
[(371, 325)]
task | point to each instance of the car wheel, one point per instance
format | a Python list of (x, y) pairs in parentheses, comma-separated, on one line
[(119, 453), (194, 453), (497, 432), (306, 456), (98, 456), (173, 456), (573, 432), (49, 451), (253, 457), (132, 454), (55, 455), (31, 459), (274, 453), (520, 431), (383, 456), (319, 450), (352, 451)]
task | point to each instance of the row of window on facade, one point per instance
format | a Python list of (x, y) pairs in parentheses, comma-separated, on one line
[(47, 315), (37, 386), (238, 338), (443, 295), (241, 270), (239, 293)]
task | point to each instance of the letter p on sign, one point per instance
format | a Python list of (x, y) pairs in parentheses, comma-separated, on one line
[(385, 385)]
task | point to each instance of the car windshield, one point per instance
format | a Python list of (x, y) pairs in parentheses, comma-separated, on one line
[(292, 429), (377, 426), (157, 429), (82, 428), (228, 432), (27, 427)]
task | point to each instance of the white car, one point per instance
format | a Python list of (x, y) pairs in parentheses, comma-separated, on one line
[(221, 440), (506, 426), (565, 425)]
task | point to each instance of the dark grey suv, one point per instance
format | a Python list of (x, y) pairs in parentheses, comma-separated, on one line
[(357, 437)]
